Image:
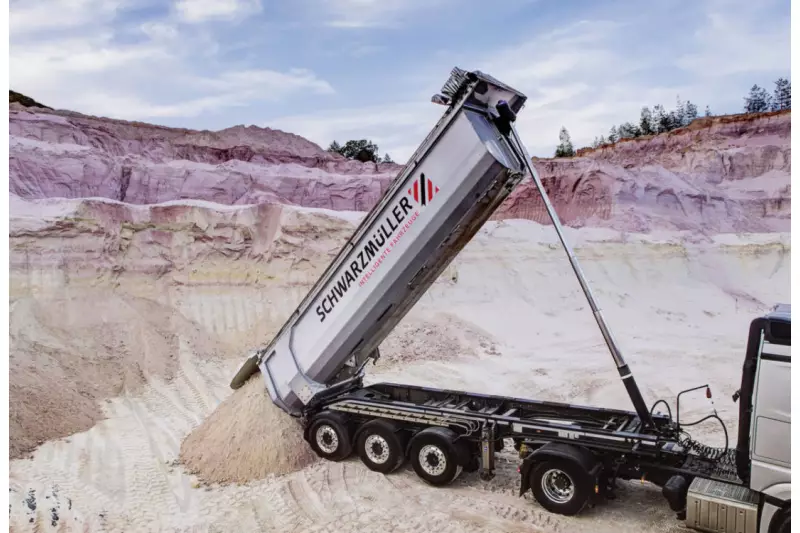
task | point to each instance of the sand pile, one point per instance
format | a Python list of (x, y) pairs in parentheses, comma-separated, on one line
[(71, 351), (246, 438), (434, 337)]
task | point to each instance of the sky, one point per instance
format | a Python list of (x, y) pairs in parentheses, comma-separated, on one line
[(354, 69)]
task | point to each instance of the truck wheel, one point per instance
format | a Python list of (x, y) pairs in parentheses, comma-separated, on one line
[(782, 522), (329, 436), (561, 486), (434, 456), (380, 447)]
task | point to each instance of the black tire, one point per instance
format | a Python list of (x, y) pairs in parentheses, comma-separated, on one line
[(782, 522), (561, 486), (435, 457), (380, 446), (330, 436)]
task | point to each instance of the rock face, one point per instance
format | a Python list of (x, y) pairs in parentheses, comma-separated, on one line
[(64, 154), (720, 174)]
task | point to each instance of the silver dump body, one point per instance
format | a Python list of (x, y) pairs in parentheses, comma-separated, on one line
[(452, 184)]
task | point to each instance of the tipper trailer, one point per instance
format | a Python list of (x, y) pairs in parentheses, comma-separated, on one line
[(570, 455)]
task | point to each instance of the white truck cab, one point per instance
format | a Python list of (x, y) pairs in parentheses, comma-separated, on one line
[(761, 502), (770, 418)]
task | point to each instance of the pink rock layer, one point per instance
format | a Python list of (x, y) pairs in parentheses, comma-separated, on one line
[(717, 175), (720, 174)]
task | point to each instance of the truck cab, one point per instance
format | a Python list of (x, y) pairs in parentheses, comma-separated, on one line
[(763, 451), (759, 501)]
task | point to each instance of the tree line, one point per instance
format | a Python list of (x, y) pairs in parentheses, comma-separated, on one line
[(659, 120), (362, 150)]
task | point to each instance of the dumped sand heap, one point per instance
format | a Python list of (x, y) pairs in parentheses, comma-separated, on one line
[(71, 351), (246, 438)]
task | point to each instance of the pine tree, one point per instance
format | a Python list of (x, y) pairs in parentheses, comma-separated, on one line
[(387, 159), (689, 112), (708, 111), (660, 119), (335, 147), (628, 130), (646, 121), (613, 136), (564, 148), (757, 101), (782, 96), (679, 115)]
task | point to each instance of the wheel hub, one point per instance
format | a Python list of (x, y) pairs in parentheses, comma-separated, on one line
[(377, 449), (432, 460), (557, 485), (327, 440)]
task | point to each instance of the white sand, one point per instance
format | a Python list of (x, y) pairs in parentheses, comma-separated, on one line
[(679, 311)]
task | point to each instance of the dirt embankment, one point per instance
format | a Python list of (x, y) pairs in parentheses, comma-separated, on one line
[(725, 174), (722, 174)]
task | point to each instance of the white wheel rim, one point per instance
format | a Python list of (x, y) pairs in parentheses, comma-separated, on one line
[(377, 449), (327, 439), (432, 460), (557, 485)]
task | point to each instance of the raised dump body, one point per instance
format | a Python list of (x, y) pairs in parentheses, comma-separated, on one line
[(452, 184)]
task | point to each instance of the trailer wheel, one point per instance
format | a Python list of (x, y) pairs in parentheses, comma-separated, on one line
[(380, 447), (561, 486), (435, 457), (330, 437)]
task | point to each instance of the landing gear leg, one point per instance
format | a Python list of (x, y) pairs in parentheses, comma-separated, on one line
[(487, 452)]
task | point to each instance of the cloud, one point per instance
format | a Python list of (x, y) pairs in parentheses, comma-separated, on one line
[(209, 64), (95, 59), (268, 84), (373, 13), (735, 39), (32, 16), (396, 128), (588, 75), (194, 11), (556, 70), (363, 50)]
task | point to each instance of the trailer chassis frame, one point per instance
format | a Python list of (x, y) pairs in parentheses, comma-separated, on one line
[(622, 445)]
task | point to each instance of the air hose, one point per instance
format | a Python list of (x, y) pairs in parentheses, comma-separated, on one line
[(706, 452)]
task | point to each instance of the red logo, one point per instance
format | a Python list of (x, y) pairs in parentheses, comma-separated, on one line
[(423, 190)]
